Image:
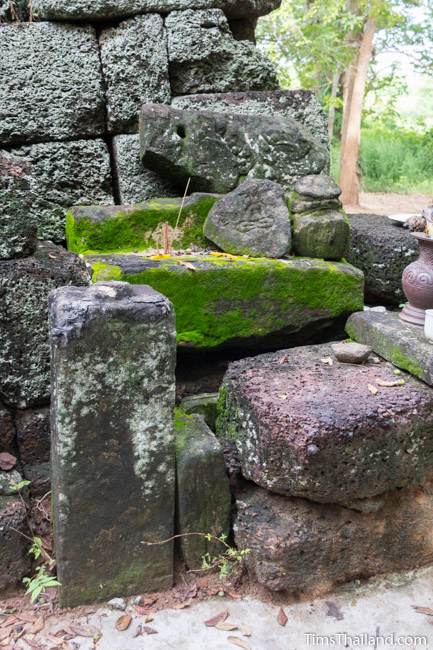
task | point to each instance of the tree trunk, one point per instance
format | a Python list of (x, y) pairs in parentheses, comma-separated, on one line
[(351, 132), (331, 113)]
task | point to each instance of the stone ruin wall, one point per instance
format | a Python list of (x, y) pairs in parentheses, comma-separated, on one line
[(72, 82)]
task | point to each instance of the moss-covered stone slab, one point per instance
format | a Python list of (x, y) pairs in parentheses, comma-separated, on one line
[(382, 251), (204, 404), (240, 301), (324, 234), (132, 228), (401, 343), (203, 493), (113, 448)]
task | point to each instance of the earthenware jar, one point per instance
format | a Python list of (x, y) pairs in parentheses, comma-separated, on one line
[(418, 283)]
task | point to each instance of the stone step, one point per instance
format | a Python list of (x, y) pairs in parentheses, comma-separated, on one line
[(299, 546), (309, 426), (401, 343), (222, 300)]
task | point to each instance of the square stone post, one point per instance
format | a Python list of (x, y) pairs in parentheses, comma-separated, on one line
[(113, 348)]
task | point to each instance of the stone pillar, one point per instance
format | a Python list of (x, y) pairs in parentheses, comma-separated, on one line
[(113, 357)]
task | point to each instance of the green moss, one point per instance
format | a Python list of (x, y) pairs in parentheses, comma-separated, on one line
[(228, 299), (139, 227), (105, 272), (398, 358)]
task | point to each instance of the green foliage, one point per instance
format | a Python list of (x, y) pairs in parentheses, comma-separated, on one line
[(39, 583), (393, 160), (229, 562), (36, 547), (17, 487)]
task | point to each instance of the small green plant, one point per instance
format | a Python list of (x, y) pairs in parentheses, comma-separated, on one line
[(17, 487), (228, 562), (39, 582)]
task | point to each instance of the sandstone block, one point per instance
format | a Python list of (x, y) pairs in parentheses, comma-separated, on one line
[(401, 343), (203, 494), (112, 440), (60, 174), (300, 105), (135, 67), (317, 186), (103, 9), (139, 227), (136, 183), (255, 303), (33, 435), (53, 89), (24, 288), (205, 57), (251, 220), (308, 429), (382, 251), (219, 150), (324, 234), (300, 546)]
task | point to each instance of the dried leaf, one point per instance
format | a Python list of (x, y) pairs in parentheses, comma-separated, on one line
[(373, 390), (123, 622), (149, 630), (149, 617), (282, 618), (239, 642), (234, 595), (7, 461), (184, 604), (226, 627), (138, 631), (218, 618), (245, 630), (162, 256), (37, 626), (428, 611), (327, 361), (228, 255), (146, 601), (84, 630), (188, 265), (390, 384)]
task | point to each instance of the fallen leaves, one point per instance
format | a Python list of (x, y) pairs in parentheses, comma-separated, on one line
[(390, 384), (161, 256), (427, 611), (282, 618), (235, 640), (188, 265), (86, 631), (373, 390), (226, 627), (123, 622), (218, 618), (7, 461), (327, 361), (227, 255)]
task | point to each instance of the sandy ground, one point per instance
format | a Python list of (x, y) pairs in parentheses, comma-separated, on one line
[(387, 608), (381, 203)]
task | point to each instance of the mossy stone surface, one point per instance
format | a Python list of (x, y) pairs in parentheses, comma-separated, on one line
[(203, 493), (322, 234), (221, 301), (401, 343), (131, 228), (204, 404)]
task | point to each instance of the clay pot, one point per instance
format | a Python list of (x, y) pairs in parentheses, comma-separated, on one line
[(417, 283)]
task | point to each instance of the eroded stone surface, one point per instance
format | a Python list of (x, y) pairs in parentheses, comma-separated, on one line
[(301, 105), (205, 57), (401, 343), (62, 174), (305, 428), (251, 220), (317, 187), (217, 151), (113, 440), (243, 302), (17, 227), (24, 288), (135, 67), (324, 234), (65, 98), (7, 429), (14, 557), (202, 404), (103, 9), (203, 494), (382, 251), (136, 183), (33, 435), (297, 545)]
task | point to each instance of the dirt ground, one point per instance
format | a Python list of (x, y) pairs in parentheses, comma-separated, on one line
[(381, 203)]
